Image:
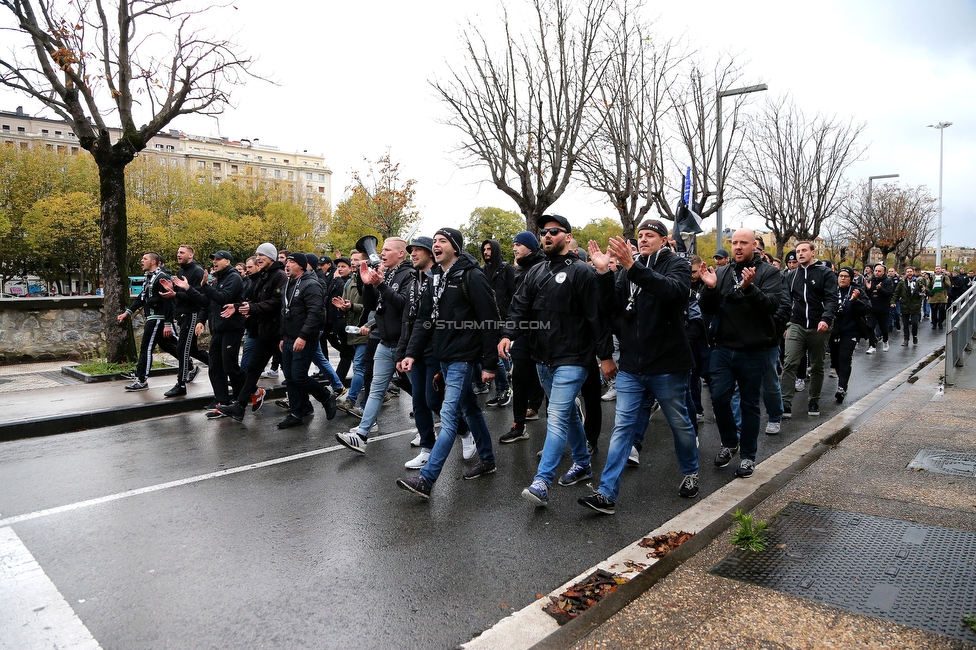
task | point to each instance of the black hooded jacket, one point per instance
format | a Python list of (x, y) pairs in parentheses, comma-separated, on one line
[(556, 308), (227, 288), (520, 347), (264, 302), (750, 318), (393, 294), (813, 290), (652, 330), (184, 306), (465, 326), (302, 311), (501, 277)]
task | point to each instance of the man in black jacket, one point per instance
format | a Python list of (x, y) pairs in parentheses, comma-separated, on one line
[(302, 315), (556, 307), (878, 289), (262, 318), (393, 286), (501, 277), (158, 312), (186, 316), (744, 297), (812, 288), (459, 313), (655, 358)]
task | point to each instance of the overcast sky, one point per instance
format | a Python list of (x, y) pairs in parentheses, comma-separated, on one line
[(353, 82)]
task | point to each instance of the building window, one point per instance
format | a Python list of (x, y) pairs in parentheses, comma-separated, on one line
[(233, 169), (321, 177), (264, 171), (170, 147), (216, 166), (44, 131), (277, 173), (201, 164), (159, 146), (286, 161), (308, 176), (291, 176), (262, 158), (321, 190), (21, 129), (273, 159), (58, 133), (6, 127)]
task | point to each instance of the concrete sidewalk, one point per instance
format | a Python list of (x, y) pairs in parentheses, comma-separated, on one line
[(677, 603)]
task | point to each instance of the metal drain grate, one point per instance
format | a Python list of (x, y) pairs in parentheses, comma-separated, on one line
[(956, 463), (920, 576)]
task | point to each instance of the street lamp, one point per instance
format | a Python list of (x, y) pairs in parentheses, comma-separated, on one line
[(938, 233), (718, 152)]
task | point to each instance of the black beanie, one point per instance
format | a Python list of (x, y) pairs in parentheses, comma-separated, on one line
[(453, 236)]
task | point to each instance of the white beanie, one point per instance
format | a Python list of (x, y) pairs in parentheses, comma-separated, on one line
[(268, 250)]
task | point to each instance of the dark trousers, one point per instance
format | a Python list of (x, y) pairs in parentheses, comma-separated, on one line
[(938, 314), (426, 401), (526, 389), (300, 385), (842, 353), (262, 350), (346, 353), (911, 321), (590, 392), (152, 336), (186, 346), (368, 360), (879, 320), (743, 369), (224, 350)]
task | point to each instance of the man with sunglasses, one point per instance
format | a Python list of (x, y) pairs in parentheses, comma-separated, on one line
[(556, 307)]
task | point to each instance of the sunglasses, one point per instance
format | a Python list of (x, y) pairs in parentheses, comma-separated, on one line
[(551, 231)]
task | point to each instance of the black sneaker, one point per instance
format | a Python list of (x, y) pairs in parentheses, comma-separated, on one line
[(813, 408), (725, 456), (330, 405), (216, 414), (745, 468), (689, 486), (212, 405), (500, 399), (787, 411), (599, 503), (175, 391), (840, 394), (283, 403), (290, 421), (233, 410), (478, 470), (915, 340), (514, 434), (190, 376), (416, 484), (137, 385), (128, 375)]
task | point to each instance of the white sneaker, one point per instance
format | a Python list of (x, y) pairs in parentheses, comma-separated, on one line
[(772, 428), (800, 385), (373, 429), (468, 447), (419, 461), (270, 374), (352, 441), (871, 350), (610, 395), (416, 441), (885, 346), (634, 458)]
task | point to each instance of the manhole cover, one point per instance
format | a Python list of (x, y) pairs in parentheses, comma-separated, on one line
[(956, 463), (916, 575)]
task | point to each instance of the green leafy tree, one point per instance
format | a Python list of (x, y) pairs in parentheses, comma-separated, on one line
[(63, 232), (599, 231), (492, 223), (380, 201)]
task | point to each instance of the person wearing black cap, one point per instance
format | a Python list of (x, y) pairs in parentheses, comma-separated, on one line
[(158, 311), (459, 297), (650, 297), (721, 258), (562, 294), (302, 315), (527, 392), (226, 333)]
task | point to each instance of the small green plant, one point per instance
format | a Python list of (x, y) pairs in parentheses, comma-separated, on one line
[(102, 367), (970, 621), (750, 534)]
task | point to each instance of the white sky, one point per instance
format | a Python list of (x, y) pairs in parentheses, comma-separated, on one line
[(353, 82)]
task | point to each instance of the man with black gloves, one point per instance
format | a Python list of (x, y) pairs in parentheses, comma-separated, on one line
[(227, 332), (186, 316), (302, 316), (745, 298), (459, 313), (394, 287), (650, 297), (562, 294), (812, 288), (262, 317), (158, 311)]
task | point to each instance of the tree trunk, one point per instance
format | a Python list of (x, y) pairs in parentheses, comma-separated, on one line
[(120, 345)]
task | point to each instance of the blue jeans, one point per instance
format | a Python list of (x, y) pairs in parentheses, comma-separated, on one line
[(635, 394), (358, 372), (425, 400), (459, 402), (562, 384), (501, 375), (383, 368), (742, 369), (295, 366), (246, 354), (771, 393), (322, 363)]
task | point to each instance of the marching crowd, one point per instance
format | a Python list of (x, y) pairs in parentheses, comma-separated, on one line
[(651, 325)]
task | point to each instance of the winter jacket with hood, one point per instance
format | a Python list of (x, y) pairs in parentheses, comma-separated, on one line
[(264, 302), (393, 295), (520, 347), (227, 288), (302, 312), (501, 277), (813, 291)]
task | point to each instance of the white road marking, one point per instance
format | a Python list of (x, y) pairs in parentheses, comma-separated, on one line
[(9, 521), (33, 613)]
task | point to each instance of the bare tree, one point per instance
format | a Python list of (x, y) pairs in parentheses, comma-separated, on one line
[(792, 170), (624, 121), (521, 109), (129, 61), (690, 135)]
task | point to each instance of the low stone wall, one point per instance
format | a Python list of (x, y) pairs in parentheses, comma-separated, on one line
[(46, 329)]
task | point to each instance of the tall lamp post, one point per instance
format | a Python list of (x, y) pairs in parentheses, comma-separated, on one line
[(941, 126), (718, 152)]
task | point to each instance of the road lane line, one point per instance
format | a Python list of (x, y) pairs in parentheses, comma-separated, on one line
[(33, 613), (9, 521)]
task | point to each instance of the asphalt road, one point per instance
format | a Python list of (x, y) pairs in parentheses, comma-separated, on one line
[(225, 535)]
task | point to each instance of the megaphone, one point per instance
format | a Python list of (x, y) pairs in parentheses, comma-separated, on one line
[(367, 246)]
